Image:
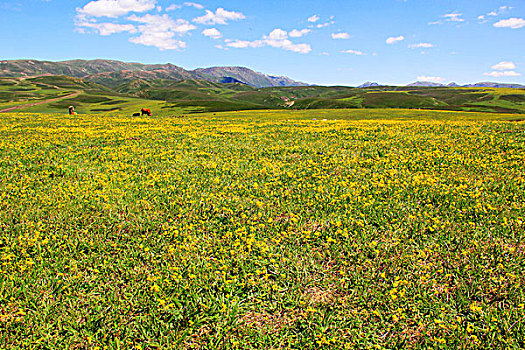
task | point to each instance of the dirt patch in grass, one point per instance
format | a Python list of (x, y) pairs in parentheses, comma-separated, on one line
[(266, 322), (198, 340), (317, 296)]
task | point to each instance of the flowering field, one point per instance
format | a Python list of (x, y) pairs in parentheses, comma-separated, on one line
[(262, 230)]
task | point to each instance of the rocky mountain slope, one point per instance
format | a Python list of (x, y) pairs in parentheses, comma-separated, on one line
[(114, 73)]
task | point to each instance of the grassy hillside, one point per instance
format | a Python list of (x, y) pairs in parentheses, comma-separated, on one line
[(120, 94), (90, 97), (16, 91)]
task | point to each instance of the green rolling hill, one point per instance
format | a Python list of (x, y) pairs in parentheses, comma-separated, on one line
[(128, 95)]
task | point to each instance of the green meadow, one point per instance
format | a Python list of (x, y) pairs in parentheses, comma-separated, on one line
[(307, 229), (168, 97)]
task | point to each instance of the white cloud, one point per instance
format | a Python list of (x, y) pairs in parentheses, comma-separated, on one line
[(430, 79), (173, 7), (115, 8), (508, 73), (505, 69), (107, 28), (299, 33), (278, 38), (504, 66), (394, 39), (212, 33), (513, 23), (241, 44), (499, 11), (194, 4), (164, 22), (221, 16), (322, 25), (353, 52), (340, 36), (188, 4), (421, 45), (159, 31), (454, 17), (161, 40), (313, 19), (278, 34), (153, 30)]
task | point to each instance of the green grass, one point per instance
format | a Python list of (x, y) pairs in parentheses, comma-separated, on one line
[(106, 104), (319, 229), (194, 96), (513, 98)]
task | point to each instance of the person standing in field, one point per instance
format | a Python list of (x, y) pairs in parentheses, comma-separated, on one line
[(72, 110)]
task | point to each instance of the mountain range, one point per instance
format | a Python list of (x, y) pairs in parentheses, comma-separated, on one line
[(480, 85), (111, 73)]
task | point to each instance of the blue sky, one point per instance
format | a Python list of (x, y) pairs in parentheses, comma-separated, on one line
[(328, 42)]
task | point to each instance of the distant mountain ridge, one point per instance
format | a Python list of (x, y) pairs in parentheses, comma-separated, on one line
[(368, 84), (496, 85), (246, 75), (487, 84), (425, 84), (112, 73), (481, 84)]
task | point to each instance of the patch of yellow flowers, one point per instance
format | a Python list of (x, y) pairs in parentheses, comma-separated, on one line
[(149, 232)]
